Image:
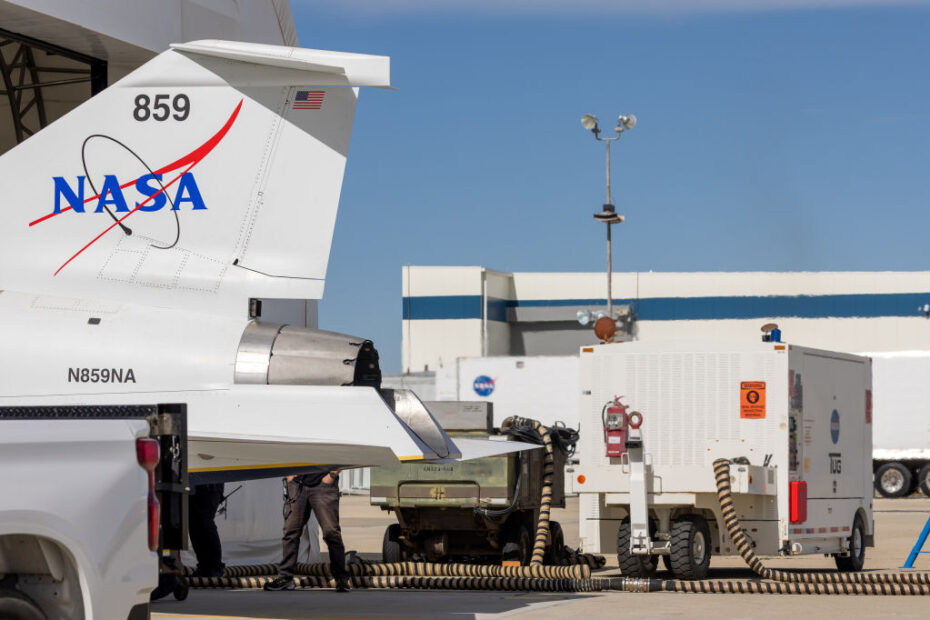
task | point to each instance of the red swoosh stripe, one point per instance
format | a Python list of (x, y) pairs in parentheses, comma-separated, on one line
[(190, 160)]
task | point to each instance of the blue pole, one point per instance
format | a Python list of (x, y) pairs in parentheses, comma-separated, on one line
[(918, 546)]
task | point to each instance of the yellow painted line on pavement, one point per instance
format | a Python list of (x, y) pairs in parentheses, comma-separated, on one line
[(245, 467)]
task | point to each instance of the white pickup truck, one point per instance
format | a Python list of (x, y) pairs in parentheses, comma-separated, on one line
[(89, 496)]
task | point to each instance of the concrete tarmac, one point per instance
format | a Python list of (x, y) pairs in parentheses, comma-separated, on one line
[(898, 522)]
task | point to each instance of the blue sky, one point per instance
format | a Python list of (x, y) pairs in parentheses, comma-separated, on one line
[(776, 138)]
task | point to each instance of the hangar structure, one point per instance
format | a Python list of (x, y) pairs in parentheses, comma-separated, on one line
[(457, 312)]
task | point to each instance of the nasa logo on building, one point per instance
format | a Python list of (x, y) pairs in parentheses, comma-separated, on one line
[(483, 385), (835, 426)]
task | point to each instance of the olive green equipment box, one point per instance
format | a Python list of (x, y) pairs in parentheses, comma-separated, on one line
[(483, 508)]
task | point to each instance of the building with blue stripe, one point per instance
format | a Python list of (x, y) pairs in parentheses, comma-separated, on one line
[(452, 312)]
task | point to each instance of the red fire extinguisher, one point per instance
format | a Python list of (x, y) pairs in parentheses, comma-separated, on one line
[(616, 425)]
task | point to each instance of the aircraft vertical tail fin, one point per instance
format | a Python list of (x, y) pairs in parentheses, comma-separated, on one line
[(209, 175)]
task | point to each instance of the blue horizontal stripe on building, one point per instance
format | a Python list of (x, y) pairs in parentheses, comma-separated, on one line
[(869, 305)]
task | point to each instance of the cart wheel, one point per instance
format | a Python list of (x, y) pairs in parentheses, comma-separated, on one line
[(518, 545), (555, 554), (854, 562), (690, 548), (633, 565), (181, 590), (923, 479), (392, 549), (893, 480)]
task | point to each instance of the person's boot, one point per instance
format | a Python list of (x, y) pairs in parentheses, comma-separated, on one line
[(280, 583), (342, 584)]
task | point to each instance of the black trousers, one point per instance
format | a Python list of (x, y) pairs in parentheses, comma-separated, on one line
[(202, 506), (322, 500)]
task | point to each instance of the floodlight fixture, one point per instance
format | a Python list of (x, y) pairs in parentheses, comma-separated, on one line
[(626, 121), (584, 316), (589, 122)]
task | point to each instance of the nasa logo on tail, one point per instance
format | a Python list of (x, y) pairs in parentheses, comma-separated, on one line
[(148, 186), (148, 193)]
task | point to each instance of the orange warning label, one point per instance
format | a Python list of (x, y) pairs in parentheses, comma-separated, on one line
[(752, 399)]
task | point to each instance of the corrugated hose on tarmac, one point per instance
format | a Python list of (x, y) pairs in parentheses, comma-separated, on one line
[(577, 577)]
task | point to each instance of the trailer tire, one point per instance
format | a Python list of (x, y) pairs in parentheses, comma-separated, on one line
[(14, 605), (689, 555), (633, 565), (517, 545), (555, 554), (893, 480), (923, 480), (181, 590), (855, 561), (392, 549)]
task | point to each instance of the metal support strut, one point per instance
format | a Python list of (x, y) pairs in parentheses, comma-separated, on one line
[(640, 541)]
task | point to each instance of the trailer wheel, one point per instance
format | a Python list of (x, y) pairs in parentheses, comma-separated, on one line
[(633, 565), (518, 546), (854, 562), (181, 590), (893, 480), (690, 547), (923, 479), (555, 554), (392, 549), (14, 605)]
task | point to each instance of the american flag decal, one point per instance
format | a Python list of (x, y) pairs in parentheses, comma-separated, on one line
[(309, 99)]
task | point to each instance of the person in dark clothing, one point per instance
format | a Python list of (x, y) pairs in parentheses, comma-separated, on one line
[(202, 506), (317, 493)]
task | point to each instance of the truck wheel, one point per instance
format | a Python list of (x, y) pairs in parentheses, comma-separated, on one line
[(690, 547), (555, 554), (392, 549), (517, 545), (854, 562), (923, 479), (893, 480), (633, 565), (14, 605)]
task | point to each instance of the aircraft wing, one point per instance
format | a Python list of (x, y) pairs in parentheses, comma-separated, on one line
[(283, 430), (248, 432)]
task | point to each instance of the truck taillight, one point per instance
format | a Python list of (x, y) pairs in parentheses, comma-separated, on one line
[(148, 454)]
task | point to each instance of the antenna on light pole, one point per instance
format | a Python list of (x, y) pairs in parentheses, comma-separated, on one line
[(608, 214)]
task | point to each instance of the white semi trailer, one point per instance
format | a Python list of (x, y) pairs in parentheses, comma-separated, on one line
[(901, 433), (795, 422)]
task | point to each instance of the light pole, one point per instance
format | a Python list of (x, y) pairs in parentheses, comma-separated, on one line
[(609, 214)]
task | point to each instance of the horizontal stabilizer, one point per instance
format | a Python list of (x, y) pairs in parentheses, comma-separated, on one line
[(346, 69)]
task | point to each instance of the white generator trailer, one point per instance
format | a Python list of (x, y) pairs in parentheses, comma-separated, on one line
[(901, 437), (794, 422)]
